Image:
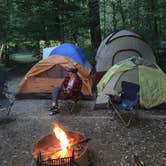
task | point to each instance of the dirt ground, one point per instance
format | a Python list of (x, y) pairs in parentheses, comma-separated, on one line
[(111, 143)]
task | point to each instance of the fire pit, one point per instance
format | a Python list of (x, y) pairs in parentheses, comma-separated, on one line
[(62, 148)]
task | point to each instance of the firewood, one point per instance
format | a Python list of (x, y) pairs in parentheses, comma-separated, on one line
[(134, 159)]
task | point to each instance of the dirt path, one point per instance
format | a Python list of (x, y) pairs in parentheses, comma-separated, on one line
[(110, 141)]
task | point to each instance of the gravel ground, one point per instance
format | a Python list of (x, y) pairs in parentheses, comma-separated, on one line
[(111, 143)]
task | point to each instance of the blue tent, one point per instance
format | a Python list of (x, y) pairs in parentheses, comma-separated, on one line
[(71, 51)]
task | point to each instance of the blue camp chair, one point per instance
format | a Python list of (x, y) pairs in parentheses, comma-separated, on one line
[(6, 97), (3, 82), (129, 99)]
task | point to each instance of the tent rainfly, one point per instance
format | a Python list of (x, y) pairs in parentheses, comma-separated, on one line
[(49, 72), (148, 76), (118, 46)]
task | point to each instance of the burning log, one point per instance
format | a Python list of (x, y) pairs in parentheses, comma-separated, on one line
[(85, 140), (51, 151), (61, 145)]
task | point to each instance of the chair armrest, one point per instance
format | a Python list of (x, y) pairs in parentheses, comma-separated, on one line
[(113, 99)]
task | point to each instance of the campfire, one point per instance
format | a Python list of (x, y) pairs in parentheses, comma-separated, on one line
[(64, 146)]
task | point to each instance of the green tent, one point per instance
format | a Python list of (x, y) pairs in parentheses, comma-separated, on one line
[(148, 76)]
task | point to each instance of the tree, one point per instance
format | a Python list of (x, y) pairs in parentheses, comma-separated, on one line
[(94, 23)]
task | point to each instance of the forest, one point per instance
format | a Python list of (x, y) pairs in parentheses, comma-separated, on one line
[(101, 106), (85, 22)]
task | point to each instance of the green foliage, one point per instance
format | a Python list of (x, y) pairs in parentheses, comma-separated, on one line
[(146, 17), (26, 22), (48, 20)]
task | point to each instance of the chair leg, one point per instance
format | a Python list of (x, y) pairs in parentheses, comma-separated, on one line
[(2, 109), (66, 106), (8, 110), (126, 123), (73, 107), (70, 107)]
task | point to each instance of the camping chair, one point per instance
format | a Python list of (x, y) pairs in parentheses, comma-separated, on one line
[(70, 105), (6, 97), (129, 99)]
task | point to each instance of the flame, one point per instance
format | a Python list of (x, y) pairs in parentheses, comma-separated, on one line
[(64, 142)]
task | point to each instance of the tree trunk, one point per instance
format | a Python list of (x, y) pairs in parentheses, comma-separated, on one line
[(155, 30), (152, 6), (136, 4), (58, 22), (114, 21), (94, 22), (104, 13), (122, 13)]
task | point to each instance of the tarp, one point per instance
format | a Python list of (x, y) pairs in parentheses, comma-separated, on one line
[(71, 51), (47, 51)]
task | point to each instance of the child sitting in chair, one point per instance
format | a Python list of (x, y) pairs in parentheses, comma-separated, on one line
[(71, 86)]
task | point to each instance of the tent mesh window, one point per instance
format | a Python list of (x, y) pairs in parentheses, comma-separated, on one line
[(55, 72)]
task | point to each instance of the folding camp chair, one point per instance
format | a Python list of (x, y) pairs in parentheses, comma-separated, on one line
[(6, 97), (129, 99), (70, 105)]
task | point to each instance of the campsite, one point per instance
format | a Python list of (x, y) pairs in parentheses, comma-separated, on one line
[(146, 138), (82, 83)]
